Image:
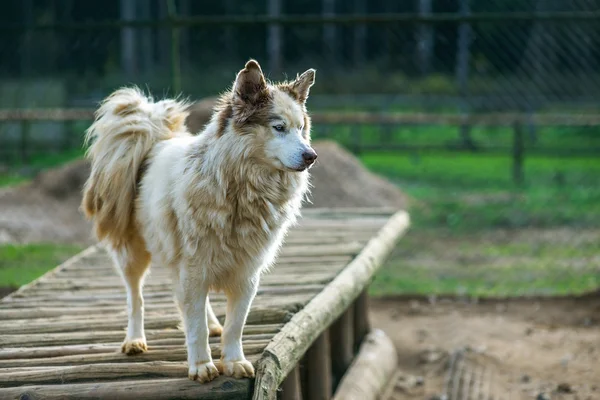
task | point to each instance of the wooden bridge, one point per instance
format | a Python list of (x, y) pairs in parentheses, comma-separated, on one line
[(60, 335)]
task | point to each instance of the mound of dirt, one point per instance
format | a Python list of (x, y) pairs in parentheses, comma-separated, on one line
[(47, 210), (340, 180), (200, 113), (64, 181)]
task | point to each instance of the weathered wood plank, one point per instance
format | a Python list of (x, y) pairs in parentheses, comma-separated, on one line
[(266, 315), (101, 372), (221, 388), (13, 353), (317, 362), (56, 314), (108, 297), (71, 338), (159, 353)]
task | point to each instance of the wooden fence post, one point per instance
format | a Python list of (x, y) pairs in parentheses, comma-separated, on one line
[(518, 153), (318, 369), (356, 139), (342, 344), (361, 318), (290, 387), (25, 127)]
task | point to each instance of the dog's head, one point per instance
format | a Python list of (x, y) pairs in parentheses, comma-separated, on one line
[(274, 117)]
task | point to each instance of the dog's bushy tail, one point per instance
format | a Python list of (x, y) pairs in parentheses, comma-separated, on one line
[(127, 125)]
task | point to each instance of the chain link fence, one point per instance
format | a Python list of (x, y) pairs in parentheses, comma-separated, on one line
[(455, 99)]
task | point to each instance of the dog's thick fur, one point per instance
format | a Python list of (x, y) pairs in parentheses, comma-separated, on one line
[(213, 207)]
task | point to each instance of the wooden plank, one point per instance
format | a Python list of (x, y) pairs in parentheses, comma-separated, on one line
[(290, 389), (13, 353), (158, 353), (341, 335), (222, 388), (38, 314), (266, 315), (101, 372), (288, 346), (70, 338), (361, 318), (113, 298), (317, 362)]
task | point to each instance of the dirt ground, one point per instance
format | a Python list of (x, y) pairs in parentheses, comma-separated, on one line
[(546, 348)]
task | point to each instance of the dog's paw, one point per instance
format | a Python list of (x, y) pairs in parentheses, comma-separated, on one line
[(203, 372), (215, 329), (237, 369), (134, 346)]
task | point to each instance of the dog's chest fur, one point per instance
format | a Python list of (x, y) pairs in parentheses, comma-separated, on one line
[(228, 217)]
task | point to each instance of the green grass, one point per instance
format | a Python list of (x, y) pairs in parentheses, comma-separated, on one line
[(20, 264), (458, 199)]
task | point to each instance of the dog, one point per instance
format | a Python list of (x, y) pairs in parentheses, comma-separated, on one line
[(213, 207)]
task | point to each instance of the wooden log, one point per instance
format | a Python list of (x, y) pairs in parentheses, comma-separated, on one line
[(12, 353), (361, 318), (222, 388), (118, 314), (290, 388), (159, 353), (317, 363), (370, 371), (266, 315), (341, 335), (290, 344), (71, 338), (107, 297), (99, 372)]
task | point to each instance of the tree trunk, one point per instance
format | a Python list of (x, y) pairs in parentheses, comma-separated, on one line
[(128, 45), (360, 35), (230, 41), (164, 38), (424, 39), (540, 55), (330, 42), (25, 50), (463, 54), (274, 38), (145, 39)]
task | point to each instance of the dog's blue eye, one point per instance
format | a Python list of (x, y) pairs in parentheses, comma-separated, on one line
[(279, 128)]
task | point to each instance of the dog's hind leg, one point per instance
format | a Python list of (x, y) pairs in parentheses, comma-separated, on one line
[(132, 261), (214, 326)]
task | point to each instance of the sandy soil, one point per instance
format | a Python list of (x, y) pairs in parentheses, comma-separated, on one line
[(548, 348)]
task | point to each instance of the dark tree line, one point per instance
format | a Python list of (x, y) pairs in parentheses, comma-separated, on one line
[(460, 50)]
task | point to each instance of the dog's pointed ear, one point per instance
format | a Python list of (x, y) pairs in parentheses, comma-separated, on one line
[(250, 83), (301, 86)]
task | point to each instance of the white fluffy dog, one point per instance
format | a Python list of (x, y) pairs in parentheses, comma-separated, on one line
[(213, 207)]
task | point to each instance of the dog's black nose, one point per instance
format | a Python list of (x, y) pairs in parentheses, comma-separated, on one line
[(309, 157)]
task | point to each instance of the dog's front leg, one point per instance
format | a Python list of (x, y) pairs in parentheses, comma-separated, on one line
[(192, 294), (233, 361)]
